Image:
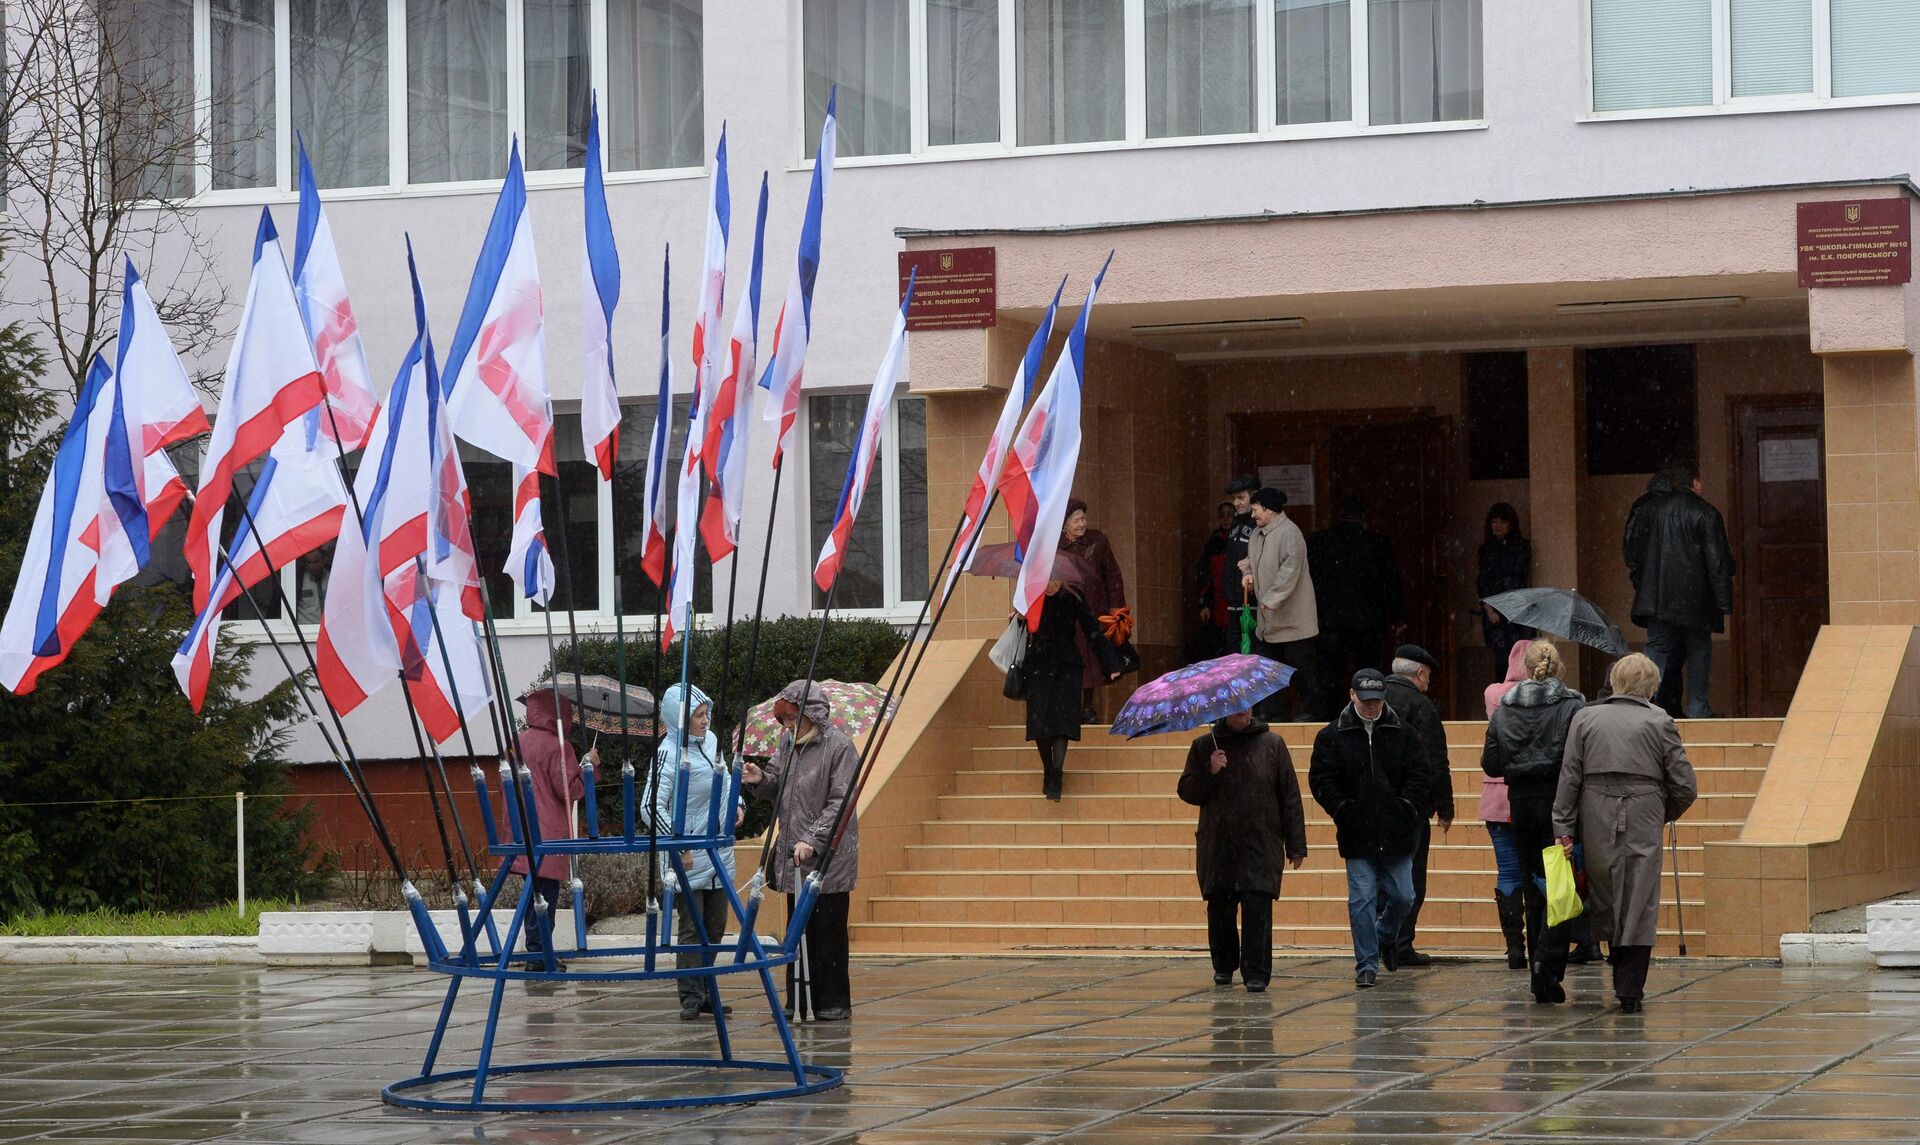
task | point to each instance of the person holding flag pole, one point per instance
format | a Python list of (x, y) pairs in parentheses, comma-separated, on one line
[(803, 853)]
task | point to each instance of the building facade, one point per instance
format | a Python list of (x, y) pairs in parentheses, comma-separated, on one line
[(1433, 253)]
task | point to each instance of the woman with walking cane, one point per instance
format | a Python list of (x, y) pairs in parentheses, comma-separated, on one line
[(1625, 777)]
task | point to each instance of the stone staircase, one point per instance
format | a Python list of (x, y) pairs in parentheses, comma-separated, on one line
[(1111, 864)]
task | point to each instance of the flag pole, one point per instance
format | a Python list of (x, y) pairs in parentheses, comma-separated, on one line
[(573, 630), (759, 607)]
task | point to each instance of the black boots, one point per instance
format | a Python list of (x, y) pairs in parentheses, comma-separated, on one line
[(1513, 925), (1054, 769), (1585, 949)]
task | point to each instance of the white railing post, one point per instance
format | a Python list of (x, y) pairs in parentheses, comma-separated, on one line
[(240, 847)]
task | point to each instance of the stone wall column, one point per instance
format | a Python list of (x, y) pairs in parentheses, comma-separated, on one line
[(1553, 465)]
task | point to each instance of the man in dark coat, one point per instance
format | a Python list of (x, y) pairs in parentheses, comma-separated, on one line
[(1215, 637), (1356, 583), (1369, 773), (1407, 688), (1682, 572), (1241, 777)]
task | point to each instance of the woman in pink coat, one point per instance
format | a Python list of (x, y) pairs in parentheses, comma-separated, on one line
[(556, 787), (1497, 814)]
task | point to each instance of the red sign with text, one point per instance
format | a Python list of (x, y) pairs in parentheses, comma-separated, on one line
[(1857, 242), (954, 289)]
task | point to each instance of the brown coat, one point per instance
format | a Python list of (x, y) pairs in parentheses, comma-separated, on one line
[(1104, 591), (1277, 558), (807, 783), (1251, 817), (1624, 776)]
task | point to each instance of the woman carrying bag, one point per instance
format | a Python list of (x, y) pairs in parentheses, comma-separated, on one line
[(1049, 676)]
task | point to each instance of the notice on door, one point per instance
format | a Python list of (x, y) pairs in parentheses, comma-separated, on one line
[(1790, 459), (1866, 242), (1296, 481)]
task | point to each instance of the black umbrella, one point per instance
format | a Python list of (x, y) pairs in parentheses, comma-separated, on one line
[(1561, 612)]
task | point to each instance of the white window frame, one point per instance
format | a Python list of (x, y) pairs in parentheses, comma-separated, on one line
[(1724, 101), (896, 608), (1136, 138), (286, 190)]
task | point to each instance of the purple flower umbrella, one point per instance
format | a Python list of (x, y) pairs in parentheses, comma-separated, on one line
[(1200, 693)]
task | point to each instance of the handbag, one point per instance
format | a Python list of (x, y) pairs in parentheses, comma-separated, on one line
[(1129, 658), (1005, 652), (1015, 685), (1563, 897)]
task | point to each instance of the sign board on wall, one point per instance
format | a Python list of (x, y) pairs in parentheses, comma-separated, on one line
[(1862, 242), (1790, 459), (954, 290), (1296, 481)]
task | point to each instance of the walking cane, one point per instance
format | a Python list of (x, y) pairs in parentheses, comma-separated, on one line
[(1679, 909)]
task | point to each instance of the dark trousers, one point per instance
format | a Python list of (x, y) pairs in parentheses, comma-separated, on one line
[(1630, 966), (710, 907), (1422, 844), (826, 952), (548, 889), (1247, 948), (1533, 834), (1344, 651), (1301, 697)]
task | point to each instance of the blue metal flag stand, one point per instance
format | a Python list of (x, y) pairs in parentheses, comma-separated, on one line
[(481, 957)]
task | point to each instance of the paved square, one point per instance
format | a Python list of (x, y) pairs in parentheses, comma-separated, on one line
[(993, 1050)]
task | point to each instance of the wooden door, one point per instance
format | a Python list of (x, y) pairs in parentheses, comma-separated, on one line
[(1398, 463), (1779, 538)]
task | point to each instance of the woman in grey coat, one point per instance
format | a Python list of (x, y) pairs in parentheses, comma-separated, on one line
[(807, 781), (1625, 776)]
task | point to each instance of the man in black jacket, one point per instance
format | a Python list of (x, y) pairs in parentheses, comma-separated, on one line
[(1407, 688), (1356, 583), (1682, 572), (1369, 773)]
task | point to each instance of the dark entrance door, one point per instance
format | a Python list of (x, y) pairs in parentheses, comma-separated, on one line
[(1780, 536), (1399, 463)]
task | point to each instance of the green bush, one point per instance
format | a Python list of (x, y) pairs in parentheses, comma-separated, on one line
[(116, 794)]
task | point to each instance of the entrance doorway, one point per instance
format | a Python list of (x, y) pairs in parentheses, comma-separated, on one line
[(1399, 463), (1780, 533)]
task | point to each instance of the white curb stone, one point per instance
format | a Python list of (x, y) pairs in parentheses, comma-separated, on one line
[(1805, 950), (158, 950), (1893, 932)]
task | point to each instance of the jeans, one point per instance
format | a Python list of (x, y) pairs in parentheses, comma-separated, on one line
[(1506, 858), (1663, 639), (1423, 844), (1366, 914)]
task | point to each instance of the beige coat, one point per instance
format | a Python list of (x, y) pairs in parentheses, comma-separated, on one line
[(1624, 776), (1277, 558)]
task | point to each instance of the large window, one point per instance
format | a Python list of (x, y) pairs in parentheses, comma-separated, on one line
[(1641, 408), (986, 76), (1663, 55), (638, 594), (388, 93), (886, 562)]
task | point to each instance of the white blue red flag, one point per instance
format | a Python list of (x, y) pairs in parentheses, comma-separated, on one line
[(729, 419), (833, 553), (653, 511), (1038, 481), (495, 378), (794, 327), (322, 289), (154, 405), (706, 364), (272, 379), (599, 293), (294, 507), (53, 599), (988, 478)]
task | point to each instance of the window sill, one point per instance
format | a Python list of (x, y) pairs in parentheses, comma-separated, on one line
[(1768, 106), (972, 152), (588, 624), (536, 181)]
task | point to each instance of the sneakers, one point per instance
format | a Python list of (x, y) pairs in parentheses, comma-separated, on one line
[(1365, 980), (689, 1009)]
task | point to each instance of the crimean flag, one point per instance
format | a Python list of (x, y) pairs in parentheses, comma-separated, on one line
[(1038, 480), (653, 511), (729, 420), (833, 553), (272, 379), (794, 327), (599, 294), (322, 290), (975, 514)]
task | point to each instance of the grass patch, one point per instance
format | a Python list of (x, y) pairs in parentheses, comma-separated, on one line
[(108, 922)]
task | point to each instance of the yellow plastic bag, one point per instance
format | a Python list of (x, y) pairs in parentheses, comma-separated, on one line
[(1563, 898)]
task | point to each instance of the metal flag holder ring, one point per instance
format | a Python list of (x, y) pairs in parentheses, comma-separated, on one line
[(488, 955)]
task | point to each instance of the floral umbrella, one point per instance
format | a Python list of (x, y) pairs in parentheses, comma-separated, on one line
[(855, 707), (1200, 694)]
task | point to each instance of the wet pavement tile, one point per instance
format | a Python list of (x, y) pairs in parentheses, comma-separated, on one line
[(986, 1050)]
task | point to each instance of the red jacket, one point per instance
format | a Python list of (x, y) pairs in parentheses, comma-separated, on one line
[(556, 778)]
